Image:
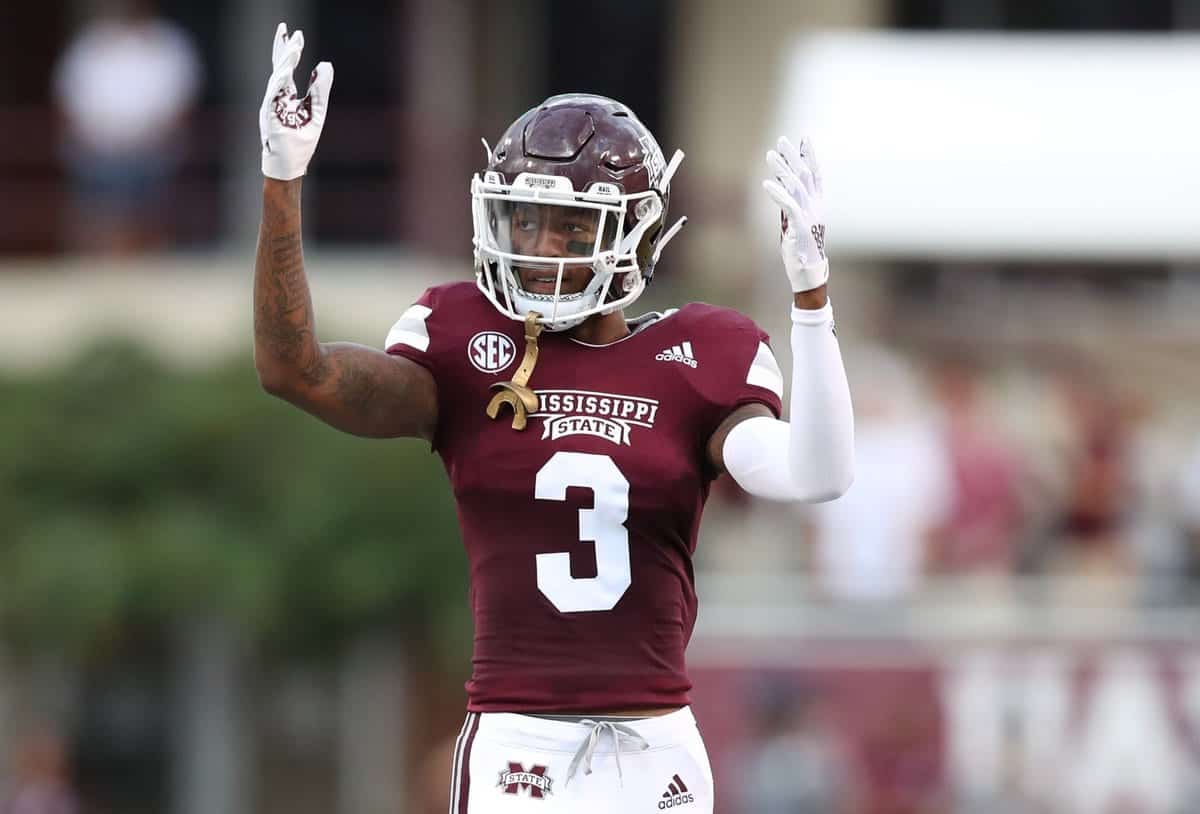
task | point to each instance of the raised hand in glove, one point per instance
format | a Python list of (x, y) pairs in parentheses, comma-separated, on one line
[(290, 126), (797, 189)]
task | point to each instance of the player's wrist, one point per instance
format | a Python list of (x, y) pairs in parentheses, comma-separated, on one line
[(292, 185), (811, 300), (282, 196)]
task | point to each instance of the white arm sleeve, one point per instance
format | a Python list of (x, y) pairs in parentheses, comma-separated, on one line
[(811, 457)]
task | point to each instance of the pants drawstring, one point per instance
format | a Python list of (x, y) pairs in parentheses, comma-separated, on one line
[(586, 749)]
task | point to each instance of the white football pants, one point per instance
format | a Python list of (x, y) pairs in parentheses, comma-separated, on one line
[(506, 763)]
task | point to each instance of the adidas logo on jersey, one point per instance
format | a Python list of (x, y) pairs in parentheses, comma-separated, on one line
[(678, 353), (677, 794)]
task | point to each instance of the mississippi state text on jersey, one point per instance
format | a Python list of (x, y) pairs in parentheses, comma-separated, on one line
[(580, 528)]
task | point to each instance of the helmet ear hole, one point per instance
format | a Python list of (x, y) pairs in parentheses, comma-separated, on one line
[(645, 249)]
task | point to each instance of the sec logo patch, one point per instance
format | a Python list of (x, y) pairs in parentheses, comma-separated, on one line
[(491, 351)]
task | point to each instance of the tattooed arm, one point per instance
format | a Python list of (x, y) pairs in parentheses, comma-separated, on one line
[(352, 387)]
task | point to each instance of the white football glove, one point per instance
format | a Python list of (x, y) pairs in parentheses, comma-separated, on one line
[(798, 191), (290, 126)]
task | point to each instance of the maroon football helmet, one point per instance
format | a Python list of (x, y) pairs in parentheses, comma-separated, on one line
[(577, 181)]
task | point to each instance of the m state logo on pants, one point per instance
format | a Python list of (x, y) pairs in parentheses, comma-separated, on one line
[(532, 780)]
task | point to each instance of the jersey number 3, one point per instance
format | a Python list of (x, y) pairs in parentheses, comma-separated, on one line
[(603, 524)]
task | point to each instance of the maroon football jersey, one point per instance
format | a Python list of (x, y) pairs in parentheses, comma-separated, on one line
[(580, 529)]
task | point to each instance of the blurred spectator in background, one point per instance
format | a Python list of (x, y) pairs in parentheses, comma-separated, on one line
[(1156, 526), (797, 763), (979, 534), (124, 86), (40, 782), (872, 543), (1188, 510), (1090, 537)]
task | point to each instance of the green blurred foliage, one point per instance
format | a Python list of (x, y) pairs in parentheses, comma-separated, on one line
[(133, 491)]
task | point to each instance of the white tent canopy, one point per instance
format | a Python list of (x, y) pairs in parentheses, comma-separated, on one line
[(1002, 145)]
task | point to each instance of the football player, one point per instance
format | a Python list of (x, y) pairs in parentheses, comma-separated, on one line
[(580, 443)]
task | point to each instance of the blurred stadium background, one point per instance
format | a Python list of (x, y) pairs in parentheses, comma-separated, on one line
[(210, 603)]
